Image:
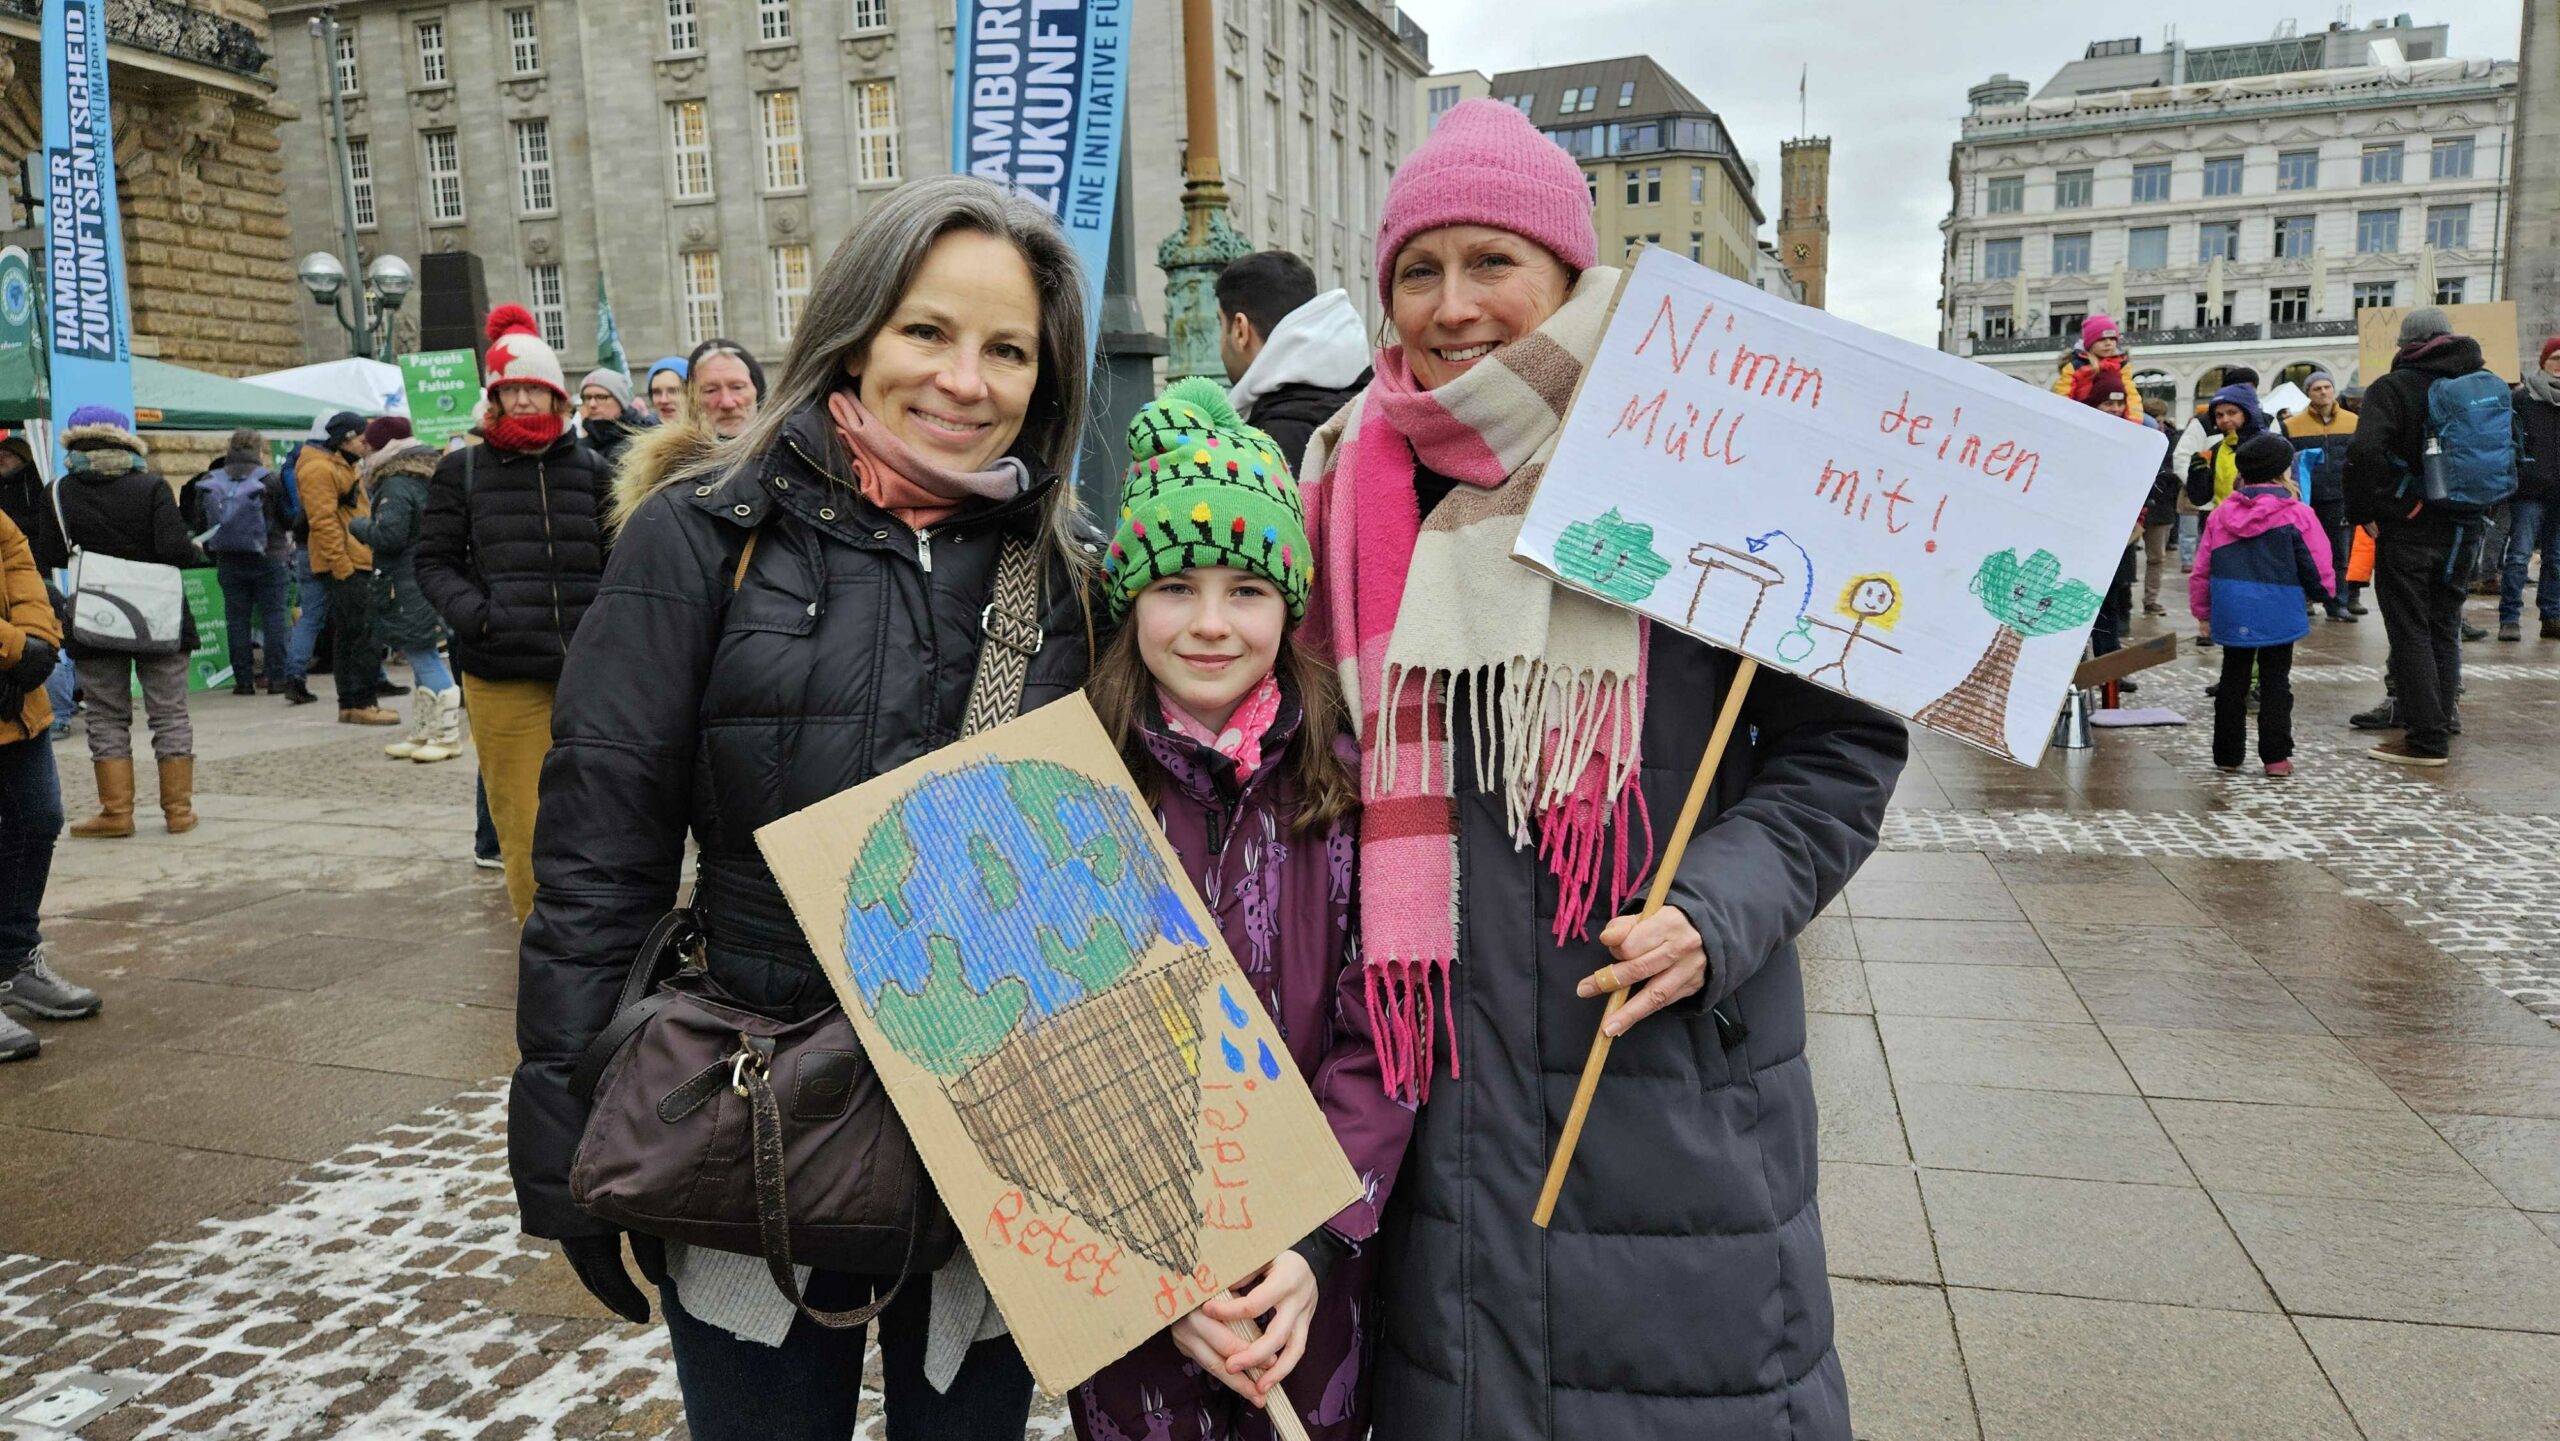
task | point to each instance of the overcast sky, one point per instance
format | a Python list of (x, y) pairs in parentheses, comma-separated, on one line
[(1887, 85)]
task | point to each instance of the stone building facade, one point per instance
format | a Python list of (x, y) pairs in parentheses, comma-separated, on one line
[(199, 174), (1804, 215), (704, 159), (2239, 218)]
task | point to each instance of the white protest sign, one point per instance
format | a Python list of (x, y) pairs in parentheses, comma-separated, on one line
[(1898, 525)]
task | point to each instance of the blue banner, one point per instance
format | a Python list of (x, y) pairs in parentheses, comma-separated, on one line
[(88, 330), (1038, 102)]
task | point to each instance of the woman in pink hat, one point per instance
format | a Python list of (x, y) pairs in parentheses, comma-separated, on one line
[(1680, 1290)]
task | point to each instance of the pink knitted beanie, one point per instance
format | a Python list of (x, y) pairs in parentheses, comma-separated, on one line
[(1487, 165)]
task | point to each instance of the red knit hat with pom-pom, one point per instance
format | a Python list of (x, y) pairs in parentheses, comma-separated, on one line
[(518, 355)]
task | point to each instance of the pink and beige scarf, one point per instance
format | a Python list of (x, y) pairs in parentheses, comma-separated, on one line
[(1413, 611), (915, 490)]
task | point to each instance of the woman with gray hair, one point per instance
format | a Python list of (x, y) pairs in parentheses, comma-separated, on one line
[(788, 614)]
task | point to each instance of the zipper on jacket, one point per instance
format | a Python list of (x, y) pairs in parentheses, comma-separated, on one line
[(550, 551), (924, 548)]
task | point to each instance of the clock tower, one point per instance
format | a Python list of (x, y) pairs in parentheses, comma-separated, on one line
[(1804, 214)]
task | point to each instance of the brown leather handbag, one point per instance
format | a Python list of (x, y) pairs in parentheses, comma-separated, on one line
[(717, 1126)]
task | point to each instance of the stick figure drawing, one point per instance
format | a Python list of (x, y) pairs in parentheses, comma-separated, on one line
[(1868, 602)]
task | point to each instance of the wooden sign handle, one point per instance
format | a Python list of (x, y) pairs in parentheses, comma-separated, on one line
[(1275, 1402), (1653, 901)]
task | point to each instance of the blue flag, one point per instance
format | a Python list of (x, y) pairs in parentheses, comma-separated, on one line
[(88, 332), (1039, 97)]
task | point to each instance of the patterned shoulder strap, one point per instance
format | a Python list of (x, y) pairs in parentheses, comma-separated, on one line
[(1011, 626)]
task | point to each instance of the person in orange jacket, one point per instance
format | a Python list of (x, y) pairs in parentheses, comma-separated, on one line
[(30, 800)]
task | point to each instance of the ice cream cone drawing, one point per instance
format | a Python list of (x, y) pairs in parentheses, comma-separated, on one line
[(998, 924)]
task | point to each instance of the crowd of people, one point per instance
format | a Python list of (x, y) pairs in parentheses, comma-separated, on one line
[(674, 615)]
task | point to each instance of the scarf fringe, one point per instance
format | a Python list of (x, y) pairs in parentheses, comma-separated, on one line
[(1401, 1021)]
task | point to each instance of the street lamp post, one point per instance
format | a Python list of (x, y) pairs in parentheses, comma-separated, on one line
[(1206, 244), (387, 283), (324, 34)]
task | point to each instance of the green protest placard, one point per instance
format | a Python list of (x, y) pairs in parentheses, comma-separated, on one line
[(444, 386)]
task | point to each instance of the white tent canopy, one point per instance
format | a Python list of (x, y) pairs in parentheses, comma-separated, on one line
[(368, 387)]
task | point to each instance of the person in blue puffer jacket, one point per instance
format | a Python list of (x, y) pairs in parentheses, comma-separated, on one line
[(2264, 558)]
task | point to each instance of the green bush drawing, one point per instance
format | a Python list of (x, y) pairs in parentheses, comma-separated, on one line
[(1611, 555)]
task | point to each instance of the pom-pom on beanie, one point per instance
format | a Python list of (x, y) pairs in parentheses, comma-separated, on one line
[(1203, 489), (518, 355), (2263, 457), (1487, 165)]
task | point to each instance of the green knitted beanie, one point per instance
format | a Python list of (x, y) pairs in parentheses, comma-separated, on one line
[(1204, 489)]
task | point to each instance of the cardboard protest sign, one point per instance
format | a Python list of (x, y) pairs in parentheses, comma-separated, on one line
[(1895, 524), (2491, 322), (1108, 1113)]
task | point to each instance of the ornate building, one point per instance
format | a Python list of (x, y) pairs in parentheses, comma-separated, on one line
[(1804, 214), (199, 175)]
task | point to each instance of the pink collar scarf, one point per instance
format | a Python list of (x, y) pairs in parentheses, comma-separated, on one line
[(1241, 741), (893, 477)]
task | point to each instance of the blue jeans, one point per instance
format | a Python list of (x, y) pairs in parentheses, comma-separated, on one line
[(306, 630), (427, 668), (58, 689), (254, 582), (2532, 526), (808, 1388), (30, 820), (2190, 535)]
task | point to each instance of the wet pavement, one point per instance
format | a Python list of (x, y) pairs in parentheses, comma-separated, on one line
[(2156, 1102)]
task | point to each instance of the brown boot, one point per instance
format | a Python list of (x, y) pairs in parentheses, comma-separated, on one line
[(178, 794), (115, 802), (368, 716)]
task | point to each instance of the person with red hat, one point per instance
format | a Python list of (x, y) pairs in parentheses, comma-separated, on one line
[(509, 552)]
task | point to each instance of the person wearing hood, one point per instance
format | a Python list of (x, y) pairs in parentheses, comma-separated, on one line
[(238, 506), (2193, 437), (2101, 344), (606, 419), (509, 551), (113, 504), (665, 385), (2424, 554), (2323, 430), (2264, 555), (2533, 514), (2214, 471), (395, 478), (1293, 357)]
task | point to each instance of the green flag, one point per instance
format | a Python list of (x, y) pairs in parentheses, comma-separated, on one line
[(21, 353), (609, 354)]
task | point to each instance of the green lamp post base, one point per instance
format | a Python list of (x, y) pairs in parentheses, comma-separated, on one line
[(1191, 259)]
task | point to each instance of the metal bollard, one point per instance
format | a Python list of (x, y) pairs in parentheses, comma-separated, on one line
[(2071, 727)]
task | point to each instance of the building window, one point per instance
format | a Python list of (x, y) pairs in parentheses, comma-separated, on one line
[(2382, 164), (684, 27), (431, 69), (2449, 227), (524, 43), (1444, 98), (2066, 322), (2150, 183), (773, 20), (2217, 240), (1307, 152), (2295, 235), (2206, 315), (2222, 175), (2142, 312), (2298, 170), (1635, 187), (1653, 185), (870, 15), (2000, 258), (2450, 159), (1998, 323), (875, 132), (689, 143), (699, 270), (2072, 189), (546, 301), (1307, 39), (790, 289), (1341, 179), (533, 167), (2004, 195), (2449, 290), (2071, 254), (782, 167), (444, 174), (1269, 144), (1698, 246), (360, 172), (2370, 293), (2377, 232), (1629, 252), (1697, 185), (1627, 95), (2289, 304), (347, 77), (1591, 182), (2146, 248)]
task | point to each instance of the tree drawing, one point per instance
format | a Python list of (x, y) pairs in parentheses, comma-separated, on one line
[(1611, 555), (2028, 599)]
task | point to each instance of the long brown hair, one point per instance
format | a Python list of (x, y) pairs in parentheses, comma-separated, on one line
[(1123, 693)]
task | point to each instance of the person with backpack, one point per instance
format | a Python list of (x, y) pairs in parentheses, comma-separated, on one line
[(238, 507), (2263, 552), (2434, 453)]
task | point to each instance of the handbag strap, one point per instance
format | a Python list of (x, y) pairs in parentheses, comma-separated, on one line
[(674, 933), (773, 1210), (1011, 624)]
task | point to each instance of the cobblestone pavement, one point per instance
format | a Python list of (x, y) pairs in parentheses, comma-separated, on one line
[(2234, 1029)]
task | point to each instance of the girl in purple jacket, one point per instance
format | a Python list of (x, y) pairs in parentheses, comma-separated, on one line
[(1239, 738), (2264, 559)]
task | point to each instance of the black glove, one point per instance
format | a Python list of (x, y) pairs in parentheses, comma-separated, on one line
[(598, 1262), (36, 664)]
